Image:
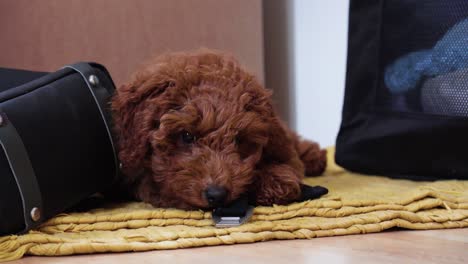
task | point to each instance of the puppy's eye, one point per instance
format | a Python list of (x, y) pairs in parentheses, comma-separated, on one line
[(156, 124), (237, 140), (244, 147), (187, 137)]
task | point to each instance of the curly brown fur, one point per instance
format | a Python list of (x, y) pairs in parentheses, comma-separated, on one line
[(239, 143)]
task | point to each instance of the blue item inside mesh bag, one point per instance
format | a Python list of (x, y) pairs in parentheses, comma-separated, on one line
[(449, 54)]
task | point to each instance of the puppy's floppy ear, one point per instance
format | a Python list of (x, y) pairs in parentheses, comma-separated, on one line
[(279, 141), (280, 147), (134, 119)]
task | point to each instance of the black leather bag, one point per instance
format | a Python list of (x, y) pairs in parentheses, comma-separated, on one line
[(405, 110), (57, 148)]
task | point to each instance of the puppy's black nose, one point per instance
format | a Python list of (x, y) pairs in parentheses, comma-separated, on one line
[(215, 195)]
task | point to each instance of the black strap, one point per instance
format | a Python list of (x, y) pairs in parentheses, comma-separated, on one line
[(101, 96), (23, 172), (239, 211), (312, 192), (237, 208)]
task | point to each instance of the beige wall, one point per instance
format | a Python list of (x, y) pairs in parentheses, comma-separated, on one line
[(46, 34)]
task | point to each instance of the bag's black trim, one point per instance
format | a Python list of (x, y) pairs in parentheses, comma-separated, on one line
[(101, 96), (22, 170)]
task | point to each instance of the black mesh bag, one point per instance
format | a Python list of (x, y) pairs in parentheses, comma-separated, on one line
[(405, 110), (56, 146)]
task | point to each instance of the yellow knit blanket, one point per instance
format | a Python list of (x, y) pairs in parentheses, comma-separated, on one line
[(356, 204)]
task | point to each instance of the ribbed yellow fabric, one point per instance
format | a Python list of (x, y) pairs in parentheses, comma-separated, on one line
[(356, 204)]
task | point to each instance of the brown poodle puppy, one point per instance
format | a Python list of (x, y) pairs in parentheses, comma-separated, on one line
[(197, 131)]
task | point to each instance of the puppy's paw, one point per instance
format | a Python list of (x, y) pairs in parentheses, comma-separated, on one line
[(277, 184), (314, 158)]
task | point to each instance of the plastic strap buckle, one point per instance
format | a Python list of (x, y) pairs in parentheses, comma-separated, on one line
[(238, 213), (232, 221)]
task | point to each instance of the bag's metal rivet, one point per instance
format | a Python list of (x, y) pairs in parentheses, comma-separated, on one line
[(120, 165), (93, 80), (35, 214)]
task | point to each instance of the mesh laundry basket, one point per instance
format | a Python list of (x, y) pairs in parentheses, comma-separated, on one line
[(405, 112)]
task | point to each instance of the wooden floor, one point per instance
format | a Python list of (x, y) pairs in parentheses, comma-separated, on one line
[(438, 246)]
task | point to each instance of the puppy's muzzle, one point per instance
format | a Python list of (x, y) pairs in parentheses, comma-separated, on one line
[(215, 195)]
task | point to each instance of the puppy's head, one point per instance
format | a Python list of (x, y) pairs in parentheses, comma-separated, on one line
[(192, 128)]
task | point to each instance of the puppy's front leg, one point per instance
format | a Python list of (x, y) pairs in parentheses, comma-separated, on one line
[(277, 184), (310, 153)]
